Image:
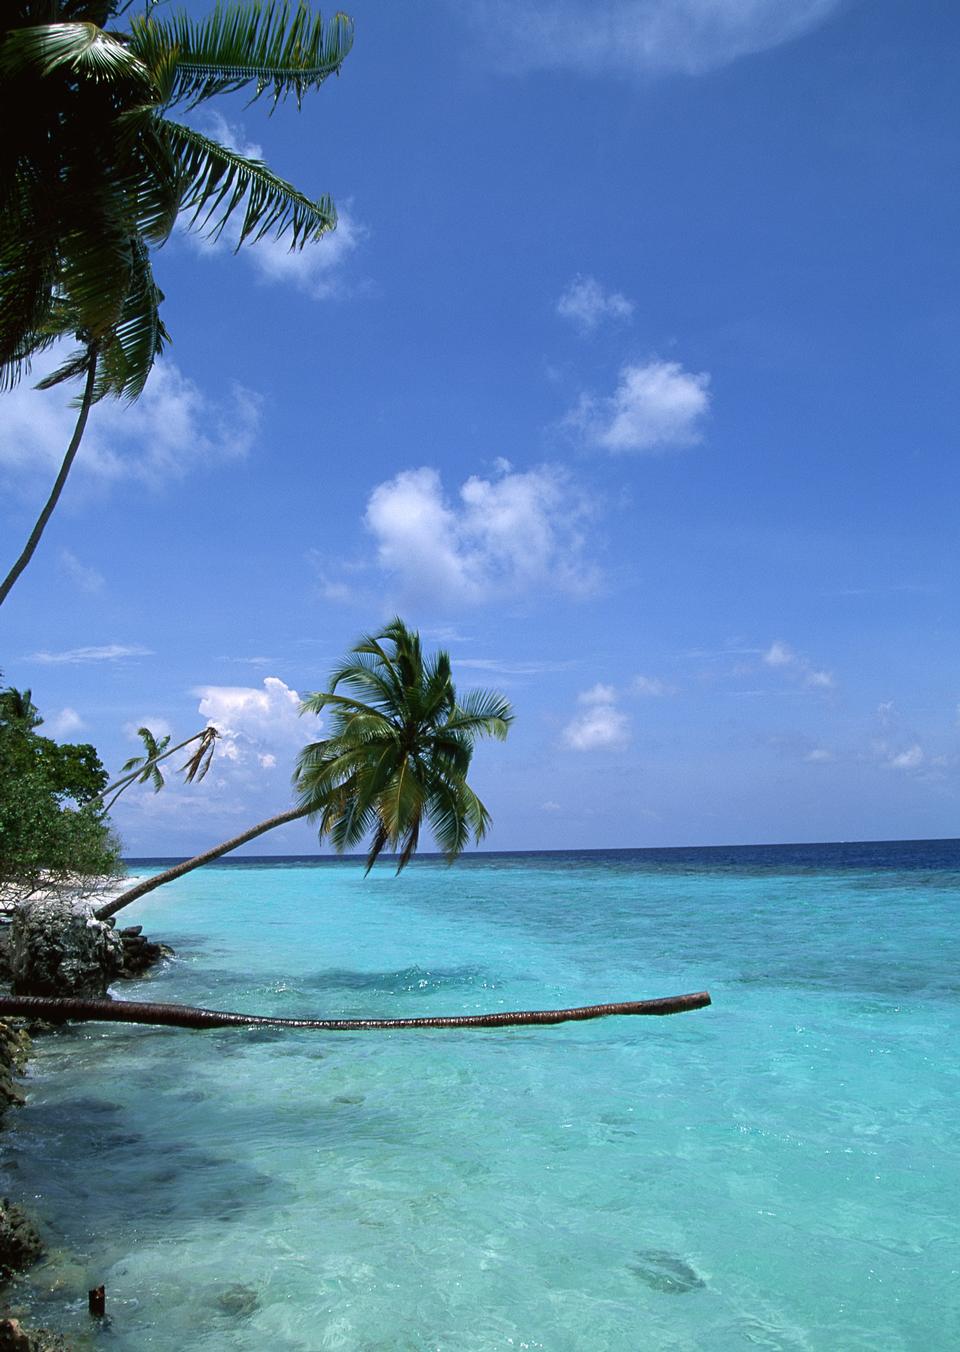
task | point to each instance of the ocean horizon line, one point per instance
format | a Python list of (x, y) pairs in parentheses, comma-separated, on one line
[(331, 857)]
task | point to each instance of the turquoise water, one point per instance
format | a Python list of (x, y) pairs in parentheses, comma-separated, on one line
[(779, 1171)]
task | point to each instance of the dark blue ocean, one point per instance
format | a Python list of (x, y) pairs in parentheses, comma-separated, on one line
[(780, 1171)]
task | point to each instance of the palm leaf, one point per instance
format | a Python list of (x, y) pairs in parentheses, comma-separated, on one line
[(217, 181), (273, 47), (84, 49)]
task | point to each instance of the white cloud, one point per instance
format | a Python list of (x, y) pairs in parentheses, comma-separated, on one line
[(157, 725), (780, 654), (171, 430), (501, 537), (586, 304), (910, 759), (640, 37), (819, 755), (88, 579), (650, 685), (601, 726), (108, 652), (63, 724), (551, 806), (783, 658), (655, 406), (317, 268), (256, 724)]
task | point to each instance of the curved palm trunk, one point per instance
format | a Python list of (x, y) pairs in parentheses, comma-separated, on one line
[(188, 865), (31, 545), (190, 1016)]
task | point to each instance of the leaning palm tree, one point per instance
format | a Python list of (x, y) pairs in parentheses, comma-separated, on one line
[(146, 769), (94, 171), (400, 751), (398, 759)]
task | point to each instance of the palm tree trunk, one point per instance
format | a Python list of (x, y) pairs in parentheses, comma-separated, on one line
[(68, 459), (188, 865), (190, 1016)]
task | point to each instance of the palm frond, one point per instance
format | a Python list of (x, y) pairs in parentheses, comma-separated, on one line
[(274, 47), (218, 181), (84, 49)]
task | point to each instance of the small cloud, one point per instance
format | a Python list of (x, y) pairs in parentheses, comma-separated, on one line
[(157, 725), (550, 806), (910, 759), (781, 657), (819, 755), (602, 726), (64, 723), (502, 667), (88, 579), (820, 680), (598, 694), (655, 406), (267, 760), (780, 654), (650, 686), (586, 304), (109, 652), (638, 37)]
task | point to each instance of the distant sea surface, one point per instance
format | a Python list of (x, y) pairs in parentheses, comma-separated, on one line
[(780, 1171)]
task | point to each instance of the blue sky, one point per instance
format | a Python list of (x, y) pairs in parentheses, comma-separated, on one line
[(629, 378)]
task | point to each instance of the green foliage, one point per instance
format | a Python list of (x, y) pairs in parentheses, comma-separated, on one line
[(152, 751), (47, 831), (400, 751), (94, 171)]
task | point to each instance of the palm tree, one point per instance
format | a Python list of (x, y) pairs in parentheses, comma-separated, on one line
[(94, 171), (153, 750), (398, 758), (400, 751), (18, 709), (146, 768)]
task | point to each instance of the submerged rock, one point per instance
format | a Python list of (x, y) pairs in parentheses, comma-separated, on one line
[(20, 1242), (15, 1338), (58, 947), (237, 1300), (665, 1271)]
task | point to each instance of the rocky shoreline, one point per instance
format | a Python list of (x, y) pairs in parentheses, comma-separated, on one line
[(53, 945)]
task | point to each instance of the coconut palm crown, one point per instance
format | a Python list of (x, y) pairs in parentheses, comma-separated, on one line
[(95, 168), (400, 750)]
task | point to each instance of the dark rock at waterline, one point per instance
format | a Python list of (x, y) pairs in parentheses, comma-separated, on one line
[(139, 953), (14, 1049), (58, 947), (664, 1271), (20, 1242), (15, 1338)]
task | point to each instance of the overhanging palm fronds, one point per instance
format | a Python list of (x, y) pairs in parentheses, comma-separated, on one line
[(277, 47), (93, 173)]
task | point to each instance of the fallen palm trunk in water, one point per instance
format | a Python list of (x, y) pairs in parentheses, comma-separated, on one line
[(190, 1016)]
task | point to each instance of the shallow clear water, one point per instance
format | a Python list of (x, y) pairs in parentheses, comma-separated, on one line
[(779, 1171)]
